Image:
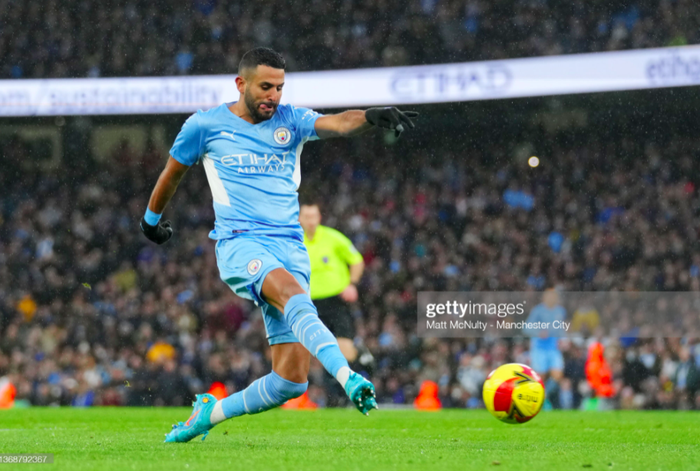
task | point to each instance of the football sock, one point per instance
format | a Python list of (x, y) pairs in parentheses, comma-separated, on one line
[(302, 317), (263, 394)]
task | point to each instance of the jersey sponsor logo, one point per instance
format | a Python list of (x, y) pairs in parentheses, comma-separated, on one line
[(254, 163), (282, 136), (254, 266)]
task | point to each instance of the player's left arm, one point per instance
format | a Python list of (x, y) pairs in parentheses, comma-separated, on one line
[(346, 124), (356, 264), (350, 294), (167, 183), (184, 153), (356, 271), (347, 251), (353, 122)]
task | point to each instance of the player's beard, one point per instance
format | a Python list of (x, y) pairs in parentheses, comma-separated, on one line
[(254, 108)]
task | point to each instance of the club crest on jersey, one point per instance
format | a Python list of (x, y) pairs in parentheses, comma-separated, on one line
[(254, 266), (282, 136)]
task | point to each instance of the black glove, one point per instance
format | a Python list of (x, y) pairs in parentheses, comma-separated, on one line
[(391, 118), (160, 233)]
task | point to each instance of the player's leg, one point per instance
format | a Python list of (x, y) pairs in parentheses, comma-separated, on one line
[(336, 316), (243, 263), (348, 348), (290, 368), (357, 354), (283, 291), (287, 380), (246, 264), (550, 366), (271, 286), (268, 392), (556, 365), (538, 361), (555, 370), (291, 361)]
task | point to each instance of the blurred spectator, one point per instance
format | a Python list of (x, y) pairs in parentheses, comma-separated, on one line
[(7, 393), (686, 379), (92, 313), (72, 38), (585, 320), (598, 371)]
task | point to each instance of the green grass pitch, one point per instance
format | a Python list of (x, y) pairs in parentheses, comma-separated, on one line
[(130, 438)]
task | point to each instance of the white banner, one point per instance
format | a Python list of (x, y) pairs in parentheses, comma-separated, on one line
[(539, 76)]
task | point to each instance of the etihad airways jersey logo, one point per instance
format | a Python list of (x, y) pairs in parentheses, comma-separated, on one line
[(255, 163)]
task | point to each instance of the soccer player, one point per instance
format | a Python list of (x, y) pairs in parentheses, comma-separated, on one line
[(336, 268), (545, 357), (250, 151)]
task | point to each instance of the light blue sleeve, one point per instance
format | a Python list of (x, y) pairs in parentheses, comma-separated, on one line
[(187, 147), (304, 120)]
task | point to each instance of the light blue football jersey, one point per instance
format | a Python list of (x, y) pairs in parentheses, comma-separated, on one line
[(253, 169)]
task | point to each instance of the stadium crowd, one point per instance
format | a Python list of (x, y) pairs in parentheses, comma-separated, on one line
[(79, 38), (93, 313)]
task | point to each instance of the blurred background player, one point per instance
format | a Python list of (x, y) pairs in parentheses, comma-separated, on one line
[(545, 356)]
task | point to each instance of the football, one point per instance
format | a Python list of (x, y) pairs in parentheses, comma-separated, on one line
[(513, 393)]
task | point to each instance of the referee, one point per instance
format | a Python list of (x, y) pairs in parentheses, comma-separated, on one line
[(336, 267)]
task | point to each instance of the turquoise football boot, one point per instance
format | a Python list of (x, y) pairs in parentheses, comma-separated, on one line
[(361, 393), (197, 424)]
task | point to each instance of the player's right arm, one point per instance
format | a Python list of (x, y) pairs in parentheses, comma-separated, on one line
[(184, 153), (151, 226), (167, 184), (154, 229)]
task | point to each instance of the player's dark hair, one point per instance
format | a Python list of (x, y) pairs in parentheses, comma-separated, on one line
[(310, 201), (261, 56)]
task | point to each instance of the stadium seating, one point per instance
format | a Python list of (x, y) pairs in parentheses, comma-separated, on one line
[(92, 313), (72, 38)]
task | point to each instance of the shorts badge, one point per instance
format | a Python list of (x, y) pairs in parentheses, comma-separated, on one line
[(254, 266)]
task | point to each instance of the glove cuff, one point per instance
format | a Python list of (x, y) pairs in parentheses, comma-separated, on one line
[(151, 218), (371, 115)]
